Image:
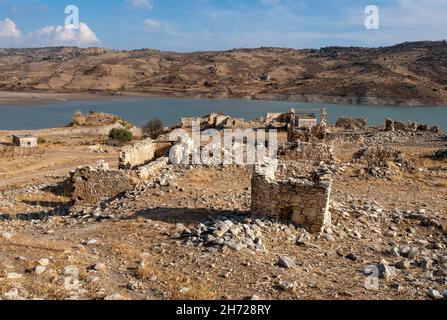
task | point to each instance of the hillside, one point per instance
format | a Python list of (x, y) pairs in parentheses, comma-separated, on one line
[(408, 73)]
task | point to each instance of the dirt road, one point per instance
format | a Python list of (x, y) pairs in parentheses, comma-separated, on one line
[(79, 159)]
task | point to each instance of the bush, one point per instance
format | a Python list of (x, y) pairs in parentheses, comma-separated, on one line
[(78, 119), (120, 135), (153, 128)]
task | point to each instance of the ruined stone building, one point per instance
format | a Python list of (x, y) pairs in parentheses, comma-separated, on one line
[(391, 125), (136, 155), (278, 191), (92, 185), (302, 120), (305, 126)]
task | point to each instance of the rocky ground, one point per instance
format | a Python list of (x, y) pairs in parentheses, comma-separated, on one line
[(189, 235)]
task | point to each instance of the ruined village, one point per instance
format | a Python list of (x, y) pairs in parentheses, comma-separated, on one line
[(343, 211)]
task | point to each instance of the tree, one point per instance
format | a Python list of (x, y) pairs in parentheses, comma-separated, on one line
[(153, 129)]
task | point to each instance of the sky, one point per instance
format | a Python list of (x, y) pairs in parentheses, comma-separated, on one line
[(199, 25)]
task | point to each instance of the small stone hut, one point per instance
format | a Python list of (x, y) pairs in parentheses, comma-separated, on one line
[(27, 141)]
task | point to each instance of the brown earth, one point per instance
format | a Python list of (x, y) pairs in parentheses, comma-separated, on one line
[(131, 251), (405, 74)]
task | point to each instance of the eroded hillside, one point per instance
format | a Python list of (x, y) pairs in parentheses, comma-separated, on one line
[(409, 73)]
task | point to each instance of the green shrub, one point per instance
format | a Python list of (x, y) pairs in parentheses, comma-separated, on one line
[(120, 135), (153, 129)]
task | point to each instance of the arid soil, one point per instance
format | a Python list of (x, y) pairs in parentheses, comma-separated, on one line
[(405, 74), (144, 245)]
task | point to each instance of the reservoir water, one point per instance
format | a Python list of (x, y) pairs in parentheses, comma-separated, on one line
[(140, 110)]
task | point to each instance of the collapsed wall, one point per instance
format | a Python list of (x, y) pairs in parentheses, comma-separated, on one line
[(378, 156), (303, 200), (352, 124), (137, 154), (93, 185), (391, 125), (304, 151)]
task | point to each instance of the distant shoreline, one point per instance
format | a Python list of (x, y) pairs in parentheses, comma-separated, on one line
[(29, 98)]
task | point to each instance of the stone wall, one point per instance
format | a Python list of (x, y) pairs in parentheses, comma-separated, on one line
[(303, 151), (392, 125), (232, 123), (276, 117), (352, 123), (189, 122), (92, 185), (152, 169), (305, 201), (137, 155)]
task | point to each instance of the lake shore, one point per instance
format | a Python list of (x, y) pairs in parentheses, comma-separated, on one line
[(36, 98)]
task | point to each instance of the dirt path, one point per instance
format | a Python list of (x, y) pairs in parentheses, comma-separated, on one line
[(60, 169)]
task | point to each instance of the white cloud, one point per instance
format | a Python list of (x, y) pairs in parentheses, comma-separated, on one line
[(65, 35), (142, 4), (12, 36), (8, 29), (153, 25)]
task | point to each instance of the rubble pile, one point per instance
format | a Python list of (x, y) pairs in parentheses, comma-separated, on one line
[(380, 162), (378, 156), (302, 151), (236, 232)]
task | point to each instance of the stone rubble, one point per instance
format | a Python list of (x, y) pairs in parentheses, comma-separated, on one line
[(231, 231)]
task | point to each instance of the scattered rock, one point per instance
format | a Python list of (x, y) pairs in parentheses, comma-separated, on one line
[(113, 297), (443, 261), (386, 271), (13, 276), (285, 285), (184, 290), (100, 267), (403, 264), (44, 262), (351, 256), (7, 235), (425, 263), (434, 294), (71, 279), (12, 294), (39, 269), (92, 242), (286, 262)]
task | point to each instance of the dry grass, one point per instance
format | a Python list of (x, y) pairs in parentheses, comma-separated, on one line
[(146, 268), (203, 177), (78, 119), (11, 152)]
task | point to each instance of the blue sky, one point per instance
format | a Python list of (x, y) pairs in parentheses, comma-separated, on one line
[(189, 25)]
